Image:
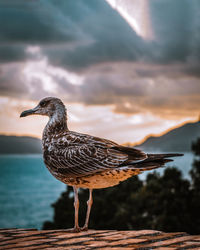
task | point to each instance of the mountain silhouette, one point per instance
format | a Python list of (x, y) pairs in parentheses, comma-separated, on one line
[(20, 145), (176, 140)]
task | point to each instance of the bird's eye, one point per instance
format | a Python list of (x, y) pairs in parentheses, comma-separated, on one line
[(43, 104)]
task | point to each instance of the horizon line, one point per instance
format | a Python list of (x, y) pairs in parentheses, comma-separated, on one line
[(131, 143)]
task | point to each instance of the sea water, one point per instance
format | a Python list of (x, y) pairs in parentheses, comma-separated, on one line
[(27, 189)]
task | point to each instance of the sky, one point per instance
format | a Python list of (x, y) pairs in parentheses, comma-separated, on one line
[(124, 68)]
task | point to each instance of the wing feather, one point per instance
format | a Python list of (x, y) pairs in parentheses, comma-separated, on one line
[(76, 155)]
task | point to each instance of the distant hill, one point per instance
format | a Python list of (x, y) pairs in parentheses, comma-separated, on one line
[(176, 140), (20, 145)]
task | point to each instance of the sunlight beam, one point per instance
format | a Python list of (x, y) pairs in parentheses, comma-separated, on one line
[(137, 15)]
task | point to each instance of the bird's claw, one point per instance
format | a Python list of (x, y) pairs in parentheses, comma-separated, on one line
[(74, 230), (84, 228)]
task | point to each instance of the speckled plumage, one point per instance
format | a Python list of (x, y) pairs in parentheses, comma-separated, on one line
[(90, 162), (85, 161)]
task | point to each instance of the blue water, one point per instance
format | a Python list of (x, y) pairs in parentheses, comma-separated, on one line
[(183, 163), (27, 189)]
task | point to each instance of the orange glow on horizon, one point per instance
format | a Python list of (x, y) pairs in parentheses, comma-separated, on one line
[(20, 135), (129, 143), (162, 133)]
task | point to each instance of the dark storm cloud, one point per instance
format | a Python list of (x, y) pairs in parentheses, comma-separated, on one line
[(119, 67), (77, 34), (12, 53), (25, 23), (176, 35), (172, 22), (176, 27), (110, 38), (33, 22), (97, 31)]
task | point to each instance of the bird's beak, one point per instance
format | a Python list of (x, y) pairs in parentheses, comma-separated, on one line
[(29, 112)]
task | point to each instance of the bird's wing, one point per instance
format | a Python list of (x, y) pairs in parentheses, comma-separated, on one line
[(77, 156)]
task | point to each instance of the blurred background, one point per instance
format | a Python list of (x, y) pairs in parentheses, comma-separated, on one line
[(128, 71)]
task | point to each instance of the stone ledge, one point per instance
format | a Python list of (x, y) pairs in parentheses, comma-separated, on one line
[(96, 239)]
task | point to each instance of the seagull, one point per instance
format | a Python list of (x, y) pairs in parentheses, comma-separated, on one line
[(86, 161)]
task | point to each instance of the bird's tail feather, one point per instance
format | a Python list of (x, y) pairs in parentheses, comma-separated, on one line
[(155, 156), (153, 161), (149, 165)]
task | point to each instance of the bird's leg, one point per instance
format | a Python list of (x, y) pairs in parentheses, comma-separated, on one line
[(89, 205), (76, 228), (76, 206)]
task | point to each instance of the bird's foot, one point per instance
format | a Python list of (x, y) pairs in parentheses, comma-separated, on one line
[(74, 230), (84, 228)]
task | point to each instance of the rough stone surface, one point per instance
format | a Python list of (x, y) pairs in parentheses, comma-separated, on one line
[(96, 239)]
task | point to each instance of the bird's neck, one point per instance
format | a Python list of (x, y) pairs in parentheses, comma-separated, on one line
[(57, 123)]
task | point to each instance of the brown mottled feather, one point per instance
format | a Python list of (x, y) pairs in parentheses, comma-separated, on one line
[(73, 155)]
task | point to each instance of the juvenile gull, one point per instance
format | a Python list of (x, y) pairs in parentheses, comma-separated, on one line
[(85, 161)]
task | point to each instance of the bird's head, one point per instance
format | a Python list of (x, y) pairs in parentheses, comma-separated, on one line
[(47, 106)]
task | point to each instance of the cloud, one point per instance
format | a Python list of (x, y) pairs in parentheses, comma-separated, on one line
[(172, 22), (78, 34), (132, 88), (129, 88), (12, 53), (85, 52), (71, 33), (36, 78), (110, 38), (175, 25), (33, 22), (11, 81)]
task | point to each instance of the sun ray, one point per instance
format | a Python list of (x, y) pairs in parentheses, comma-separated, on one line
[(137, 15)]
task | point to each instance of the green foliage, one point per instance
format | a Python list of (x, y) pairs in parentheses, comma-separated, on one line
[(195, 190), (167, 203)]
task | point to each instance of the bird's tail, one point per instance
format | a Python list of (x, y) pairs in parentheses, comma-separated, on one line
[(153, 161)]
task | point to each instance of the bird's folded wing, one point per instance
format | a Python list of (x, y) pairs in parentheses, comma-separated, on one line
[(77, 161), (86, 159)]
